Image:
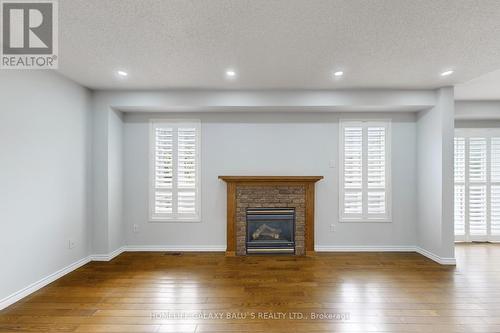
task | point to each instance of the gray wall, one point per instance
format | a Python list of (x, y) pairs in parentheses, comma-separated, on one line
[(100, 138), (269, 144), (115, 182), (228, 137), (45, 176), (477, 110), (107, 154), (435, 176), (470, 123), (74, 168)]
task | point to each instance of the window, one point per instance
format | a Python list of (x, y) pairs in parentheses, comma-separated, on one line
[(175, 170), (365, 171), (477, 185)]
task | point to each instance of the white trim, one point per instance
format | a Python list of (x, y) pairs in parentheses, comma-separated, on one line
[(174, 220), (180, 248), (354, 220), (363, 248), (158, 248), (488, 134), (109, 256), (174, 217), (436, 258), (18, 295), (364, 124)]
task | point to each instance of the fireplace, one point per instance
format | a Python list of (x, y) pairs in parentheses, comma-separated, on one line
[(270, 230), (272, 193)]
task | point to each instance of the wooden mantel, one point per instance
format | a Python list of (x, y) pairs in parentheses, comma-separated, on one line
[(306, 181), (246, 179)]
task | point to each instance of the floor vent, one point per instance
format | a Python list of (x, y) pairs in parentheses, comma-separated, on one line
[(173, 253)]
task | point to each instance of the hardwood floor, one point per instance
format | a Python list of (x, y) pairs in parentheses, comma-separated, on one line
[(363, 292)]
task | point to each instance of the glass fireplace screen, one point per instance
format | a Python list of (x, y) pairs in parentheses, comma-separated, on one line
[(270, 230)]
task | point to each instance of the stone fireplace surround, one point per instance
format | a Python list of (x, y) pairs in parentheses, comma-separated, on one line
[(270, 192)]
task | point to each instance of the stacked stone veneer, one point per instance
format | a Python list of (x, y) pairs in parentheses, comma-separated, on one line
[(270, 196)]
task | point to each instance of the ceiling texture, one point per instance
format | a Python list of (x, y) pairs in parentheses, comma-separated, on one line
[(485, 87), (278, 44)]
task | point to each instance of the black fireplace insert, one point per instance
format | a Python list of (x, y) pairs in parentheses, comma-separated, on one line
[(270, 230)]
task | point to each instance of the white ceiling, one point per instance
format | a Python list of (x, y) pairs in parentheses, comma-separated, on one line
[(485, 87), (278, 44)]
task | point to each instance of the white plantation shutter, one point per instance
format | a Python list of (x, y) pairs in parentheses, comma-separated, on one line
[(495, 160), (495, 210), (477, 160), (459, 210), (163, 170), (459, 160), (175, 170), (477, 210), (495, 187), (459, 196), (353, 165), (477, 185), (376, 170), (186, 162), (364, 171)]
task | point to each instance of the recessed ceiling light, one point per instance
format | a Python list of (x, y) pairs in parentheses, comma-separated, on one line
[(122, 73), (230, 73), (338, 73), (446, 73)]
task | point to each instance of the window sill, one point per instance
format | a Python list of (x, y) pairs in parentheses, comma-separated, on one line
[(365, 220), (173, 220)]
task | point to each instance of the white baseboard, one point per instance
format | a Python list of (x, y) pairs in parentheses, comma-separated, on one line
[(11, 299), (318, 248), (174, 248), (109, 256), (360, 248), (156, 248), (425, 253), (18, 295), (436, 258)]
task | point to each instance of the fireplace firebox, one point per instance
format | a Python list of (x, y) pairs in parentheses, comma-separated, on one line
[(270, 230)]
